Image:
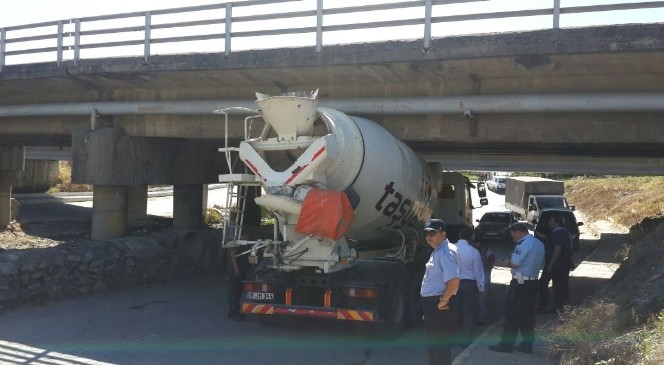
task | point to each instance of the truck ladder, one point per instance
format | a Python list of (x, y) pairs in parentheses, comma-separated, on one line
[(236, 197), (237, 185)]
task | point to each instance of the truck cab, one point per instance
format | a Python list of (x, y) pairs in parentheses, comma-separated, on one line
[(538, 203), (455, 205)]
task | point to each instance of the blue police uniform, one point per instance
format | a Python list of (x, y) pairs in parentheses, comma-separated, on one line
[(439, 325), (528, 255), (442, 266)]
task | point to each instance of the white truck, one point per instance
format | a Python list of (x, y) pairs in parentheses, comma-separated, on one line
[(349, 201), (529, 196)]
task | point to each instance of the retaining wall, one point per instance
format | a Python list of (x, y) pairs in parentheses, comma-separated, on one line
[(94, 265)]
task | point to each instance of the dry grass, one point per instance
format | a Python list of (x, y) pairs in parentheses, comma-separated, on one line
[(628, 328), (64, 181), (652, 344), (213, 217), (587, 337), (624, 201)]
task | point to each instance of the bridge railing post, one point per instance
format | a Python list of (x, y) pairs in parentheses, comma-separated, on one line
[(3, 39), (319, 26), (60, 40), (77, 41), (428, 10), (148, 32), (227, 29), (556, 14)]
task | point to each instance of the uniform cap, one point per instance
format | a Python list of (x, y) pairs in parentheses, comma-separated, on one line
[(516, 227), (435, 225)]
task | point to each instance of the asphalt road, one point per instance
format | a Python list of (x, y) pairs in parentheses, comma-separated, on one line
[(185, 323)]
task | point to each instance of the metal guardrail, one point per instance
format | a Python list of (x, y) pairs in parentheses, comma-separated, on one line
[(66, 39)]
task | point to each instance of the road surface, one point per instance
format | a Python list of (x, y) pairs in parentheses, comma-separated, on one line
[(185, 323)]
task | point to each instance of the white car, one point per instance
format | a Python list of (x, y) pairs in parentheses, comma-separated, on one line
[(497, 183)]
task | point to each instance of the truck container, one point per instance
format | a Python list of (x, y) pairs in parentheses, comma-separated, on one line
[(349, 200), (528, 196)]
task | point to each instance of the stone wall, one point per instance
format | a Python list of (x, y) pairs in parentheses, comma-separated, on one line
[(91, 266)]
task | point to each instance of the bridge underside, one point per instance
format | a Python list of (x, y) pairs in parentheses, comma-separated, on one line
[(614, 59), (45, 104)]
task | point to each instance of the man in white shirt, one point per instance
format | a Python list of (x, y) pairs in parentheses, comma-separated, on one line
[(439, 286), (471, 287)]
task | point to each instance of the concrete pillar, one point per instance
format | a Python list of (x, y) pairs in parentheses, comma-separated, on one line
[(205, 199), (137, 205), (37, 176), (109, 211), (187, 206), (6, 178)]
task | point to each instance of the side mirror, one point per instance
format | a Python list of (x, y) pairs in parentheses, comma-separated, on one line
[(484, 201), (477, 220), (532, 208), (579, 224), (572, 207), (481, 190), (534, 222)]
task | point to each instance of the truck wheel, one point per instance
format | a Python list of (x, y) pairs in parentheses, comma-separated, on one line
[(396, 311), (397, 306), (415, 311)]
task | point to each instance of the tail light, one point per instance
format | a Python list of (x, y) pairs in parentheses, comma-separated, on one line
[(257, 287), (360, 292)]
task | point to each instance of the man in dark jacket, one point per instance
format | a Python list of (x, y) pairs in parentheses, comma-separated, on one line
[(557, 265)]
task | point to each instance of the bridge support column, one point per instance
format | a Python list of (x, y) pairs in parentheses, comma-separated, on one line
[(5, 198), (12, 159), (109, 211), (187, 206), (137, 205), (124, 165), (204, 202), (37, 176)]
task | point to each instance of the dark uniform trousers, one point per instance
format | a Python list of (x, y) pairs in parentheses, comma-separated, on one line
[(560, 278), (234, 293), (520, 313), (440, 327), (467, 299)]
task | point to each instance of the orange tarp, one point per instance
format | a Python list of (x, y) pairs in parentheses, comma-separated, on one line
[(325, 213)]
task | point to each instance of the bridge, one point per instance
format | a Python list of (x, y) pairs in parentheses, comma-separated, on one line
[(580, 100)]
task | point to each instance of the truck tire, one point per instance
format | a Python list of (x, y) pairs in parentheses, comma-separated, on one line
[(397, 304), (396, 310), (415, 311)]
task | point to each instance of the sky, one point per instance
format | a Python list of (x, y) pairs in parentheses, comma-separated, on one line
[(19, 12)]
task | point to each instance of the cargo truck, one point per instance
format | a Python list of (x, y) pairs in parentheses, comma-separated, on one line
[(349, 201), (527, 196)]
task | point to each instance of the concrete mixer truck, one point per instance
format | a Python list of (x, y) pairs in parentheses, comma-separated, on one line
[(349, 201)]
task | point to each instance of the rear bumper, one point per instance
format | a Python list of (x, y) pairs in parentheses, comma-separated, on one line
[(303, 311)]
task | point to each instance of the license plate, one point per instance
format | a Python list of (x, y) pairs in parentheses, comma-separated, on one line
[(260, 296), (253, 259)]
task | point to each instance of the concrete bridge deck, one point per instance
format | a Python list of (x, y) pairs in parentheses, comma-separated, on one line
[(172, 96), (586, 100)]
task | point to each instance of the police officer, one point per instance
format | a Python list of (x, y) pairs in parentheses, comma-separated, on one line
[(439, 285), (526, 262), (471, 287)]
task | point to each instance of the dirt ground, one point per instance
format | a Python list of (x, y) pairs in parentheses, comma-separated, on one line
[(41, 235), (49, 234)]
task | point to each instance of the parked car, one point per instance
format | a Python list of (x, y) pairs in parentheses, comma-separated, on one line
[(494, 226), (570, 222), (497, 184)]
